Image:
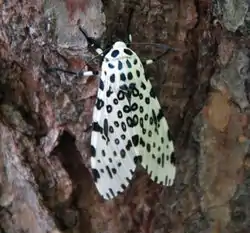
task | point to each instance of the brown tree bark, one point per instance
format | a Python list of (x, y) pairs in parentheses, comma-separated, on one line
[(45, 183)]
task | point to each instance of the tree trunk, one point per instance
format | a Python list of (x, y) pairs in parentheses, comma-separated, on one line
[(45, 118)]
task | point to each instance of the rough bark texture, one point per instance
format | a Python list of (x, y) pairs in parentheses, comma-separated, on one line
[(45, 184)]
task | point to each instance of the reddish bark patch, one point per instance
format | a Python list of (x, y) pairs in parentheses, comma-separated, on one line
[(75, 5)]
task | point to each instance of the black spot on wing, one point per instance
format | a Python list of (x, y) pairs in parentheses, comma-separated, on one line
[(116, 123), (154, 117), (101, 85), (126, 108), (138, 73), (109, 92), (117, 141), (141, 122), (134, 106), (143, 86), (142, 143), (119, 114), (152, 93), (119, 65), (147, 100), (128, 52), (109, 172), (162, 160), (111, 66), (129, 145), (93, 151), (135, 92), (123, 77), (123, 153), (151, 120), (96, 174), (148, 147), (99, 103), (97, 127), (111, 129), (130, 76), (120, 95), (135, 139), (105, 127), (160, 115), (129, 121), (115, 53), (141, 109), (124, 127), (172, 158), (112, 192), (159, 161), (128, 64), (135, 120), (112, 78), (109, 108)]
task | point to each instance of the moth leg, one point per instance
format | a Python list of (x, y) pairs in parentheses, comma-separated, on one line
[(92, 43), (90, 126), (151, 61), (79, 74)]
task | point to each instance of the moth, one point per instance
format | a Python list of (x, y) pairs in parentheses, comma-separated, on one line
[(128, 126)]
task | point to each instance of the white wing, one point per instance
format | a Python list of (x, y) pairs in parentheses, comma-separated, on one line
[(157, 145), (128, 126), (113, 153)]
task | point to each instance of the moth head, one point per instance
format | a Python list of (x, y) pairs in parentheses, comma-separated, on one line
[(119, 51)]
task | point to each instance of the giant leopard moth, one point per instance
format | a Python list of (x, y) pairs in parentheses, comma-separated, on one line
[(128, 125)]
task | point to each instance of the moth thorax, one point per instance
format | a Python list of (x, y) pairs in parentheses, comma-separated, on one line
[(119, 45)]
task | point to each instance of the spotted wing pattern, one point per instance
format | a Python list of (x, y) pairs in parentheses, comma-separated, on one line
[(128, 126)]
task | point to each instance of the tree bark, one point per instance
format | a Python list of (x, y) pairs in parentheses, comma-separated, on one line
[(203, 87)]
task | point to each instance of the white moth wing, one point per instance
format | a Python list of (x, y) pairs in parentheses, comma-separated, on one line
[(113, 154), (155, 145), (112, 164), (158, 153)]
